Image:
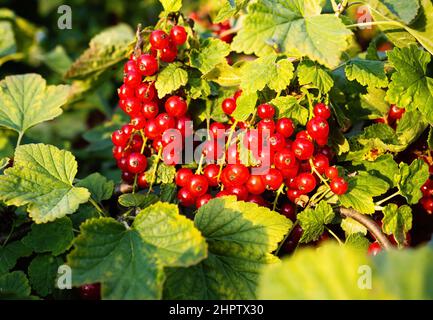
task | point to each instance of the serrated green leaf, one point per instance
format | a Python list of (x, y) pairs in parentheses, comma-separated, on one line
[(105, 50), (14, 285), (57, 60), (100, 187), (212, 52), (352, 227), (240, 237), (55, 237), (170, 79), (410, 87), (178, 242), (373, 104), (7, 41), (107, 252), (298, 29), (85, 212), (410, 127), (168, 192), (164, 173), (362, 189), (412, 177), (26, 100), (246, 104), (397, 221), (383, 167), (137, 200), (171, 5), (367, 72), (357, 241), (313, 221), (10, 253), (225, 75), (228, 11), (289, 107), (197, 86), (266, 71), (43, 273), (312, 73), (41, 178)]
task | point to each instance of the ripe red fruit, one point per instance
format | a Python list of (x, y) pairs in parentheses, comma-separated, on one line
[(138, 121), (427, 204), (255, 185), (277, 142), (305, 182), (128, 177), (147, 64), (141, 181), (150, 109), (223, 193), (395, 113), (285, 159), (237, 94), (321, 163), (168, 54), (285, 127), (322, 110), (145, 92), (159, 39), (183, 177), (303, 134), (172, 158), (132, 79), (331, 172), (291, 172), (257, 199), (265, 111), (241, 192), (90, 291), (184, 125), (339, 186), (293, 194), (119, 138), (136, 143), (374, 249), (125, 92), (273, 179), (176, 106), (217, 130), (201, 201), (157, 143), (318, 129), (198, 185), (119, 152), (152, 130), (178, 35), (266, 125), (185, 197), (229, 105), (303, 148), (426, 189), (164, 122), (122, 163), (128, 129), (130, 66), (235, 175), (289, 210), (211, 173), (131, 106), (136, 163)]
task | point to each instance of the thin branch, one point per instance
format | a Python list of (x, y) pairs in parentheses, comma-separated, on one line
[(370, 225)]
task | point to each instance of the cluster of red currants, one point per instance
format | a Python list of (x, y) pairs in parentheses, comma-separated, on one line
[(139, 100), (299, 164), (427, 199)]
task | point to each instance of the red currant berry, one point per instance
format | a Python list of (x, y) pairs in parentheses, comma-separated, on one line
[(130, 66), (291, 172), (258, 200), (165, 122), (285, 159), (136, 163), (183, 176), (374, 249), (285, 127), (339, 186), (212, 150), (255, 185), (152, 130), (147, 64), (185, 197), (277, 142), (201, 201), (237, 94), (159, 39), (211, 172), (265, 111), (150, 109), (168, 54), (236, 174), (427, 188), (132, 79), (318, 128), (217, 129), (240, 192), (141, 181), (427, 204), (321, 163), (118, 152), (176, 106), (293, 195), (395, 113), (198, 185), (178, 35), (289, 210), (136, 143), (171, 158), (266, 125), (131, 106), (145, 92), (322, 110), (184, 125), (138, 121), (331, 172), (122, 164), (229, 105), (303, 149), (157, 143), (223, 193), (303, 134), (128, 177), (125, 92), (119, 138), (305, 182), (90, 291), (273, 179)]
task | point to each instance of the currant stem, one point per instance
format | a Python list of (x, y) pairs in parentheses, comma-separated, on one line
[(279, 192), (334, 235), (200, 165), (144, 141), (155, 167), (20, 137), (397, 193), (97, 207), (229, 140), (313, 168), (375, 23), (135, 183)]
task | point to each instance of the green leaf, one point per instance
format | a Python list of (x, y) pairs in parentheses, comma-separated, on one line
[(410, 127), (168, 192), (57, 60), (41, 178), (4, 162), (99, 186), (55, 237), (106, 49), (410, 87), (170, 79), (137, 200), (178, 242), (118, 258), (373, 104), (362, 189), (266, 71), (240, 237), (246, 104), (43, 273), (312, 73), (85, 211), (197, 86), (397, 221), (225, 75), (289, 107), (171, 5), (26, 100), (358, 241), (164, 173), (10, 253), (212, 52), (411, 180), (352, 227), (313, 221), (228, 11), (7, 42), (405, 10), (383, 167), (430, 138), (367, 72), (14, 285), (298, 29)]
